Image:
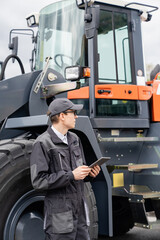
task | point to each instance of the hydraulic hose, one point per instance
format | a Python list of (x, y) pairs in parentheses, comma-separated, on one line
[(5, 64)]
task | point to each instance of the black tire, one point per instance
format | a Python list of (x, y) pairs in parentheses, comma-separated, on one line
[(122, 216), (93, 215), (18, 200)]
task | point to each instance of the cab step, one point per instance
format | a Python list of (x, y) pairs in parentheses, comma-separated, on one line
[(144, 203), (143, 191), (132, 167), (144, 210), (127, 139), (152, 222)]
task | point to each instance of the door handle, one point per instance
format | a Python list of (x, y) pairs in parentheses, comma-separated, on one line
[(104, 91)]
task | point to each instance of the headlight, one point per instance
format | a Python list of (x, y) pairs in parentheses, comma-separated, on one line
[(33, 20), (77, 72)]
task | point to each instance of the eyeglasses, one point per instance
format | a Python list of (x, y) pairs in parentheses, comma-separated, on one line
[(74, 112)]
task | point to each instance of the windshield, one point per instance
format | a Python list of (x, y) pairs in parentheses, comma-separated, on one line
[(61, 36)]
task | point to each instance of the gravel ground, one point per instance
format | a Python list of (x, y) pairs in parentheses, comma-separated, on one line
[(137, 234)]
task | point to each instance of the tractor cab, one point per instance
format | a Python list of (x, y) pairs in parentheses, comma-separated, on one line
[(106, 37)]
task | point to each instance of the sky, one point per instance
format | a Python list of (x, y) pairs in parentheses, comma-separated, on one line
[(14, 12)]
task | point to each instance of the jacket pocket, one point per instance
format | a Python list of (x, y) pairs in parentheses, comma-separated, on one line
[(78, 157), (63, 160), (62, 222)]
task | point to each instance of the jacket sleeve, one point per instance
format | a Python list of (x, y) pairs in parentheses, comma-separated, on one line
[(88, 178), (41, 177)]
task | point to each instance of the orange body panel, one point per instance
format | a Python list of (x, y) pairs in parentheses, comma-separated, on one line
[(128, 92), (144, 92), (82, 93), (157, 76), (115, 91), (156, 101)]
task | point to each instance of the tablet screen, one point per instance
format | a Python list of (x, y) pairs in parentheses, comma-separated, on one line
[(100, 161)]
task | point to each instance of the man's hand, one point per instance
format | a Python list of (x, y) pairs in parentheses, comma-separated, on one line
[(81, 172), (94, 171)]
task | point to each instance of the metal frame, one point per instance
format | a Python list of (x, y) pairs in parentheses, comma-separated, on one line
[(124, 3)]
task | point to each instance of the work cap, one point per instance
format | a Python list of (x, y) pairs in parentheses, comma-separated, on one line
[(61, 105)]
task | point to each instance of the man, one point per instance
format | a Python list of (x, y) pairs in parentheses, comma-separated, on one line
[(58, 166)]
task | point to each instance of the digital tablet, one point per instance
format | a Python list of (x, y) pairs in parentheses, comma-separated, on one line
[(100, 161)]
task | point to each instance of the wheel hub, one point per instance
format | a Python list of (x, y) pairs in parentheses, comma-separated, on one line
[(30, 226), (25, 221)]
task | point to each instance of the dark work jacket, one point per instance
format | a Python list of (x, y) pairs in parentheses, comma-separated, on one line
[(52, 163)]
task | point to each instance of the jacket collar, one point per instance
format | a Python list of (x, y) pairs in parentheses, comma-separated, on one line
[(54, 137), (57, 140)]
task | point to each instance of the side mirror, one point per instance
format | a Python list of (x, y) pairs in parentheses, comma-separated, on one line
[(91, 16), (13, 46)]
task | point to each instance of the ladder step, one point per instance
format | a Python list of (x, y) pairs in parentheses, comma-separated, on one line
[(152, 221), (147, 195), (132, 167), (127, 139), (144, 204), (144, 191), (143, 218)]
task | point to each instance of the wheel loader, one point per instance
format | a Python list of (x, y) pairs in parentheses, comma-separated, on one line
[(92, 53)]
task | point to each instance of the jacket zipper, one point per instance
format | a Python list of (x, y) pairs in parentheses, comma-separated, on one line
[(60, 160)]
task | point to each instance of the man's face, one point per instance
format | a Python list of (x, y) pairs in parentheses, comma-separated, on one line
[(69, 118)]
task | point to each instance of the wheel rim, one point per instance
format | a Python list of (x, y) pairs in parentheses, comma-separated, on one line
[(25, 220)]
